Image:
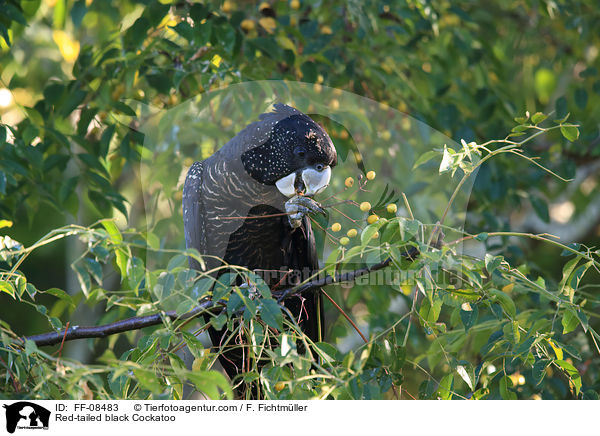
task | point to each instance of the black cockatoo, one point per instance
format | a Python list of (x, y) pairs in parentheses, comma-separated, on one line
[(274, 165)]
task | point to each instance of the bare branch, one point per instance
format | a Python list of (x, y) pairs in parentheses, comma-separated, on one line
[(139, 322)]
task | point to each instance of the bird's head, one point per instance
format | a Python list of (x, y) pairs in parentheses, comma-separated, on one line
[(297, 157)]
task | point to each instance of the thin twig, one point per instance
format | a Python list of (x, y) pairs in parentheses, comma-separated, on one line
[(364, 338)]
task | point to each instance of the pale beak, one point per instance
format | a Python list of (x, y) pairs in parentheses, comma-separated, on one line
[(314, 182), (286, 185)]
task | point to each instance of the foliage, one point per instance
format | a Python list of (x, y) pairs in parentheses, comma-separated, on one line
[(81, 135)]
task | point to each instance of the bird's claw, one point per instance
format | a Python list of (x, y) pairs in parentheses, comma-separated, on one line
[(299, 206), (250, 290)]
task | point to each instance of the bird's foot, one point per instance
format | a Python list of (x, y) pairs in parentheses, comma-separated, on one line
[(299, 206), (250, 290)]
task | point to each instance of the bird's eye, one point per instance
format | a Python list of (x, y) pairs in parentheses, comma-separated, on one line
[(319, 167), (300, 151)]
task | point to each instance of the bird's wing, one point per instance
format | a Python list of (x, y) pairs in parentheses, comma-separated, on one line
[(194, 214)]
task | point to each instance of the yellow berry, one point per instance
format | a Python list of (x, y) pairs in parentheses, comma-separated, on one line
[(371, 175), (344, 134), (352, 233), (386, 135), (247, 25), (336, 227), (268, 23), (295, 4), (334, 104), (226, 122), (349, 182), (365, 206), (375, 235), (227, 6), (392, 208), (279, 386), (344, 241), (372, 219)]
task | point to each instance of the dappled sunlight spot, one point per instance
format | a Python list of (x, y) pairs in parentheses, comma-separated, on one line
[(589, 185), (562, 212), (69, 48), (6, 98)]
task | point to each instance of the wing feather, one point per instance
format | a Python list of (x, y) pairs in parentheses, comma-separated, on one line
[(194, 214)]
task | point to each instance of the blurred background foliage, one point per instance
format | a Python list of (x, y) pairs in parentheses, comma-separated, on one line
[(76, 76)]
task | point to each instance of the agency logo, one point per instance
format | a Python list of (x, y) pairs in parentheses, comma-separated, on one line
[(26, 415)]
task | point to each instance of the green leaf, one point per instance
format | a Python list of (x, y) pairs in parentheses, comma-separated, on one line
[(331, 261), (468, 315), (448, 160), (369, 232), (309, 72), (539, 370), (30, 347), (540, 207), (59, 293), (271, 314), (123, 108), (467, 373), (567, 272), (425, 157), (327, 352), (561, 107), (572, 373), (408, 228), (569, 321), (94, 269), (444, 391), (135, 272), (13, 13), (83, 277), (581, 98), (210, 382), (538, 117), (194, 344), (481, 236), (218, 321), (21, 284), (7, 287), (492, 262), (571, 133), (223, 285), (148, 380), (505, 392), (429, 312), (120, 254), (511, 332), (505, 301), (184, 307)]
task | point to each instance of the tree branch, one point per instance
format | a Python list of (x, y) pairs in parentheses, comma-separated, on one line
[(139, 322)]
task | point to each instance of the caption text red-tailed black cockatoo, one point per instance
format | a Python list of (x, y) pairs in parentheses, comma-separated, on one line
[(274, 165)]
